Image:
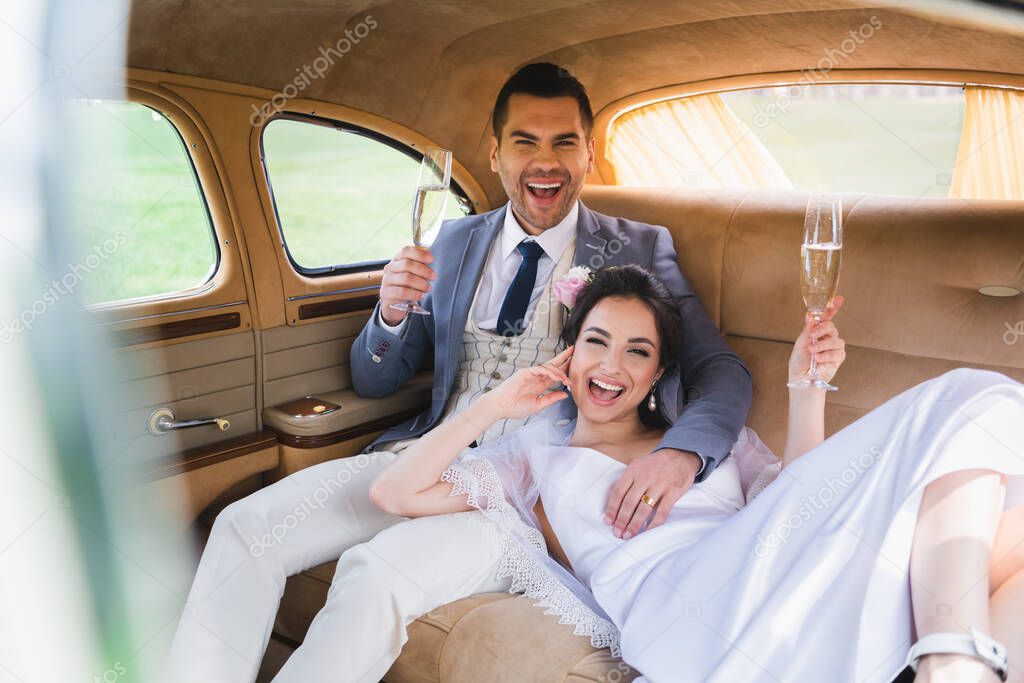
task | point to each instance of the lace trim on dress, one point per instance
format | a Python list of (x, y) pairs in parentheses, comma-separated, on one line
[(476, 478), (769, 474)]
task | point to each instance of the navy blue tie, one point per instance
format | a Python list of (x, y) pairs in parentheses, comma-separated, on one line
[(511, 318)]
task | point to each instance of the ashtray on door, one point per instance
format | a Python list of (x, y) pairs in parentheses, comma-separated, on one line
[(308, 406)]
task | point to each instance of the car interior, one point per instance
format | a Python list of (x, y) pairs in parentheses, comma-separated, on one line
[(289, 134)]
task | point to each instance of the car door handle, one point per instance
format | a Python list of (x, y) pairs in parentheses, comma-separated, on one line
[(162, 421)]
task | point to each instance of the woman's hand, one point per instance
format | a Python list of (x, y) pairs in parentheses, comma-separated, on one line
[(522, 394), (822, 339)]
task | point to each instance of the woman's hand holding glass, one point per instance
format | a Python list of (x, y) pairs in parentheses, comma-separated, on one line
[(527, 392), (823, 341)]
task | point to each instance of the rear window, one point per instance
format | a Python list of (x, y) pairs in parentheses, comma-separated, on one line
[(873, 138), (884, 139)]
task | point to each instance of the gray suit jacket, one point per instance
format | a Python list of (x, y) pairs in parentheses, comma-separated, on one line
[(706, 400)]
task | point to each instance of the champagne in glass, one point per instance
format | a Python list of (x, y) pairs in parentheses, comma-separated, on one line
[(428, 213), (820, 276), (428, 206), (820, 256)]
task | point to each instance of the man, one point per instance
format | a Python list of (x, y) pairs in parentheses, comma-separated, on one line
[(487, 282)]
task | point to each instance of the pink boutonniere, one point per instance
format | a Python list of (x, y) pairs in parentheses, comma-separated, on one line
[(568, 287)]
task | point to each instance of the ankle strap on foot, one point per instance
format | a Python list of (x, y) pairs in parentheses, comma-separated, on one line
[(977, 644)]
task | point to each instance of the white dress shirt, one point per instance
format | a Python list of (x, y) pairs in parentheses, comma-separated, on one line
[(503, 262)]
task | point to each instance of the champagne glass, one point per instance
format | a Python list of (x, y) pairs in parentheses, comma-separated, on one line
[(429, 205), (820, 254)]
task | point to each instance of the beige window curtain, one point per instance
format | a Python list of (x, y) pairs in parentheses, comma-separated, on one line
[(694, 141), (990, 160)]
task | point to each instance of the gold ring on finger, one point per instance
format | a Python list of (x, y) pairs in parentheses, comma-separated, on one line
[(650, 501)]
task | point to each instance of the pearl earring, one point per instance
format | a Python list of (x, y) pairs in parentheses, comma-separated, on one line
[(652, 403)]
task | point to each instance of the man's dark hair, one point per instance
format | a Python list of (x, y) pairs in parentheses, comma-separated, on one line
[(634, 282), (541, 80)]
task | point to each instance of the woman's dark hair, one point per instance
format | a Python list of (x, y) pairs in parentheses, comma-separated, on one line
[(634, 282), (541, 80)]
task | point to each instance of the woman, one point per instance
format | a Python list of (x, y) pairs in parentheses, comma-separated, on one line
[(900, 520)]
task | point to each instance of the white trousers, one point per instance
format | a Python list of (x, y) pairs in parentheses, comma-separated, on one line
[(390, 571)]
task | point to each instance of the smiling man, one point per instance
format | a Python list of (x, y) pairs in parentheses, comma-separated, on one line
[(542, 177), (487, 280)]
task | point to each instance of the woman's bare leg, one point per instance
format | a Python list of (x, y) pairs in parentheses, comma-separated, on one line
[(1007, 606), (1008, 549), (949, 567), (1007, 580)]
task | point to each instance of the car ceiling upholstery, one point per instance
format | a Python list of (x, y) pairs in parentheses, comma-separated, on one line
[(435, 66)]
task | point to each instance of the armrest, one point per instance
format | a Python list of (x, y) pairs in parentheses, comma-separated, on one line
[(355, 412)]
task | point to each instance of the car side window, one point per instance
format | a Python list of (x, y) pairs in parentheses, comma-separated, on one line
[(343, 194), (142, 224)]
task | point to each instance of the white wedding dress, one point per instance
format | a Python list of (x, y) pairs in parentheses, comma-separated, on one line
[(807, 582)]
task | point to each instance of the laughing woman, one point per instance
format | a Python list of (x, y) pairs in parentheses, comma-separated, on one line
[(898, 540)]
